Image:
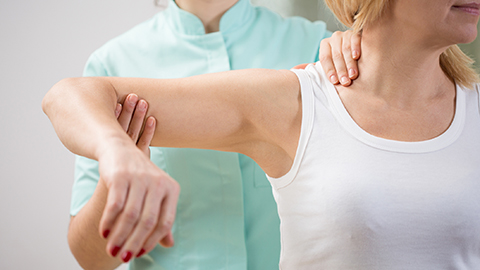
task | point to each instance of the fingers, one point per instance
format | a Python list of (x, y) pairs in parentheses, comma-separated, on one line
[(145, 222), (127, 111), (125, 223), (351, 52), (132, 116), (356, 45), (338, 56), (326, 59), (147, 135), (167, 217), (154, 228), (118, 110), (115, 202)]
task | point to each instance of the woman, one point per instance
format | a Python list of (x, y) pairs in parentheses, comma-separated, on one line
[(382, 175)]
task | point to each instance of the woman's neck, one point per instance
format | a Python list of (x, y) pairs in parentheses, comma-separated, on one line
[(208, 11), (401, 68)]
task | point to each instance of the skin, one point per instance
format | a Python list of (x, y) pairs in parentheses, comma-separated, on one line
[(139, 230), (261, 117), (84, 226)]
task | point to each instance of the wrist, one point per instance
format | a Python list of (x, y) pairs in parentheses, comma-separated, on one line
[(112, 144)]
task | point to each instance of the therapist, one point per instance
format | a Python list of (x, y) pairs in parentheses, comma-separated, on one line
[(229, 221)]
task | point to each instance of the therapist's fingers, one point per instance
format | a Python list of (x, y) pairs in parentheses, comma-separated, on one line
[(118, 110), (153, 223), (163, 232), (128, 109), (356, 40), (136, 123), (351, 52), (126, 220), (147, 135), (326, 59), (117, 194), (337, 46), (147, 222)]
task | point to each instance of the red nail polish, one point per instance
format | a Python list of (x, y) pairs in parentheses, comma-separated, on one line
[(126, 256), (106, 233), (142, 251), (115, 251)]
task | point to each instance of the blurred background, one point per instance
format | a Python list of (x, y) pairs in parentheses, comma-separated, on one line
[(41, 43)]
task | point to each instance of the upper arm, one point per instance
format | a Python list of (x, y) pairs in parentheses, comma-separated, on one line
[(255, 112)]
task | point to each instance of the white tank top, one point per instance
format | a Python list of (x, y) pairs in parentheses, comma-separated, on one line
[(355, 201)]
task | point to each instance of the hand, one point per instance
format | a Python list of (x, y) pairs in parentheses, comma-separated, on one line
[(131, 120), (142, 199), (339, 55)]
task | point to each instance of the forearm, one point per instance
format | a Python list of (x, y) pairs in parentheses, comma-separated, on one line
[(85, 242)]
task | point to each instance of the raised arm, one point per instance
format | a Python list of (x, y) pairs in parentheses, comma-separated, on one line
[(223, 111), (256, 112)]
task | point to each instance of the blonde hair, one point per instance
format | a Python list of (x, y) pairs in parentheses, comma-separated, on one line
[(355, 14)]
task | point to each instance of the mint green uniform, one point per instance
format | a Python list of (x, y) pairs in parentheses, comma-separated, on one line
[(226, 215)]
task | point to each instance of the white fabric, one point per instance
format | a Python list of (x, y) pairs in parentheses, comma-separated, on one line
[(355, 201)]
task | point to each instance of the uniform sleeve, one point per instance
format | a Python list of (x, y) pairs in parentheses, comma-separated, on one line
[(94, 67), (86, 170)]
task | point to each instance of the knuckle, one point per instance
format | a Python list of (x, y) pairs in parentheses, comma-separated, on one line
[(149, 223), (131, 133), (323, 58), (350, 63), (346, 47), (337, 55), (167, 223), (114, 206), (132, 215), (337, 34)]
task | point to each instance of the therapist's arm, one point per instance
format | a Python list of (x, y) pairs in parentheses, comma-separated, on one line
[(256, 112)]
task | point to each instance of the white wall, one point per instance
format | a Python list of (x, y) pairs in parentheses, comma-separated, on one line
[(42, 42)]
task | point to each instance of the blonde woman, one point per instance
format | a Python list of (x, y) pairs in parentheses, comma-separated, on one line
[(382, 175)]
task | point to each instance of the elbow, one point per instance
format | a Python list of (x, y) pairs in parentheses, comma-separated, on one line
[(55, 94)]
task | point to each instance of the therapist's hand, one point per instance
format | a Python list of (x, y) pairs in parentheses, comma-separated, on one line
[(339, 55), (138, 224)]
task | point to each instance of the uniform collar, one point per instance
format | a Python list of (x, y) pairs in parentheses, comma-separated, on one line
[(189, 24)]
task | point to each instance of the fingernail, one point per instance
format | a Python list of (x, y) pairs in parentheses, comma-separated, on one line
[(354, 54), (344, 80), (132, 99), (142, 251), (126, 256), (351, 72), (106, 233), (150, 121), (333, 79), (115, 251), (142, 105)]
